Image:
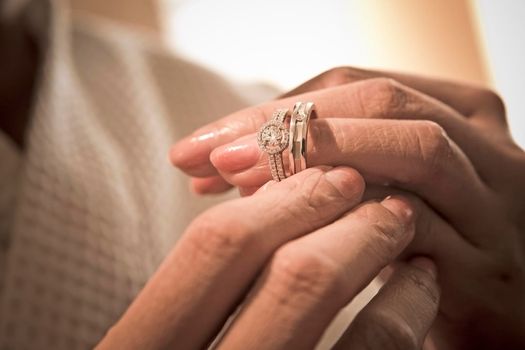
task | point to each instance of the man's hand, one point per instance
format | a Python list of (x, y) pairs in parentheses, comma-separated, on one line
[(446, 143), (293, 255)]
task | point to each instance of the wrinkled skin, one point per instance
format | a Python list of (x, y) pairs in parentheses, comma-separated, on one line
[(445, 145), (301, 250)]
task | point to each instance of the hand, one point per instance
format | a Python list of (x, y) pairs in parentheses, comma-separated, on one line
[(294, 254), (444, 142)]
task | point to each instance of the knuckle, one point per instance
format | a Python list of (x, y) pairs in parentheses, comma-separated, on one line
[(342, 75), (214, 235), (298, 271), (435, 150), (314, 194), (493, 101), (337, 76), (507, 267), (384, 329), (384, 96)]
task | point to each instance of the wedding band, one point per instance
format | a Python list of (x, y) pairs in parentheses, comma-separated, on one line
[(302, 112), (273, 139)]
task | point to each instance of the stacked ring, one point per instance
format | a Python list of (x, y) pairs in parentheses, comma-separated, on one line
[(273, 139), (301, 115)]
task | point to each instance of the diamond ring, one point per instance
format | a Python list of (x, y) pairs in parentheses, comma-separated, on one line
[(273, 138)]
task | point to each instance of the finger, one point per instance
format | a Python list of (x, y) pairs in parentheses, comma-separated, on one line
[(474, 102), (453, 255), (375, 98), (209, 185), (330, 78), (310, 279), (401, 314), (221, 253), (469, 100), (215, 184), (413, 155)]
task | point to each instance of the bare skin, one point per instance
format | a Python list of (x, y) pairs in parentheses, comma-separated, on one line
[(300, 250), (445, 145)]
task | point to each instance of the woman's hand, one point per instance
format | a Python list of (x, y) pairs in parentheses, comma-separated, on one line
[(293, 254), (444, 142)]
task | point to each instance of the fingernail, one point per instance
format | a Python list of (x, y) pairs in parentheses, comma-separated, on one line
[(236, 156), (204, 137), (190, 153), (425, 264), (400, 207), (347, 181)]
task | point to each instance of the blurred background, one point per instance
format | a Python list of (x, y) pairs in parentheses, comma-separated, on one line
[(283, 43)]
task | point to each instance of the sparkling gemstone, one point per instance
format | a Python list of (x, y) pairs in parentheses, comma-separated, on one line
[(273, 137)]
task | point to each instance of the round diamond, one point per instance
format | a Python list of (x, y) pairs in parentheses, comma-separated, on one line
[(273, 137)]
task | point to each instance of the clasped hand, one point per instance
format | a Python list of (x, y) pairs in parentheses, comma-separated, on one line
[(294, 253)]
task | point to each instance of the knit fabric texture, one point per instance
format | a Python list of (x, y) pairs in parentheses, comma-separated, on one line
[(97, 204)]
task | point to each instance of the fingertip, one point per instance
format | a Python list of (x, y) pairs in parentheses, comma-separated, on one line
[(348, 180), (196, 186), (175, 155), (425, 264), (401, 207), (184, 155), (215, 157), (192, 157), (209, 185)]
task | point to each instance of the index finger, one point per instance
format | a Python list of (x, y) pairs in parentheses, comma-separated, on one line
[(379, 98), (469, 100), (309, 280), (220, 254)]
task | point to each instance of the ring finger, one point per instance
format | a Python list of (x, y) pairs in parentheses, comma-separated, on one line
[(413, 155), (374, 99)]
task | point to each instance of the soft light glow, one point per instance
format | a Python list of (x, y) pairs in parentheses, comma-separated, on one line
[(280, 42), (286, 42)]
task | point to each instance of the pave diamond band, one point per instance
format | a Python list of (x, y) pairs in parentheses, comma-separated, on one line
[(273, 138), (301, 115)]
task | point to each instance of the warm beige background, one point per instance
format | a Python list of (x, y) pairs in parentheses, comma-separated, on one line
[(436, 37), (430, 37), (142, 13)]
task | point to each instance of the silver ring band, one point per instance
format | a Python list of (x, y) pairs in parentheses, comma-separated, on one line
[(302, 112)]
